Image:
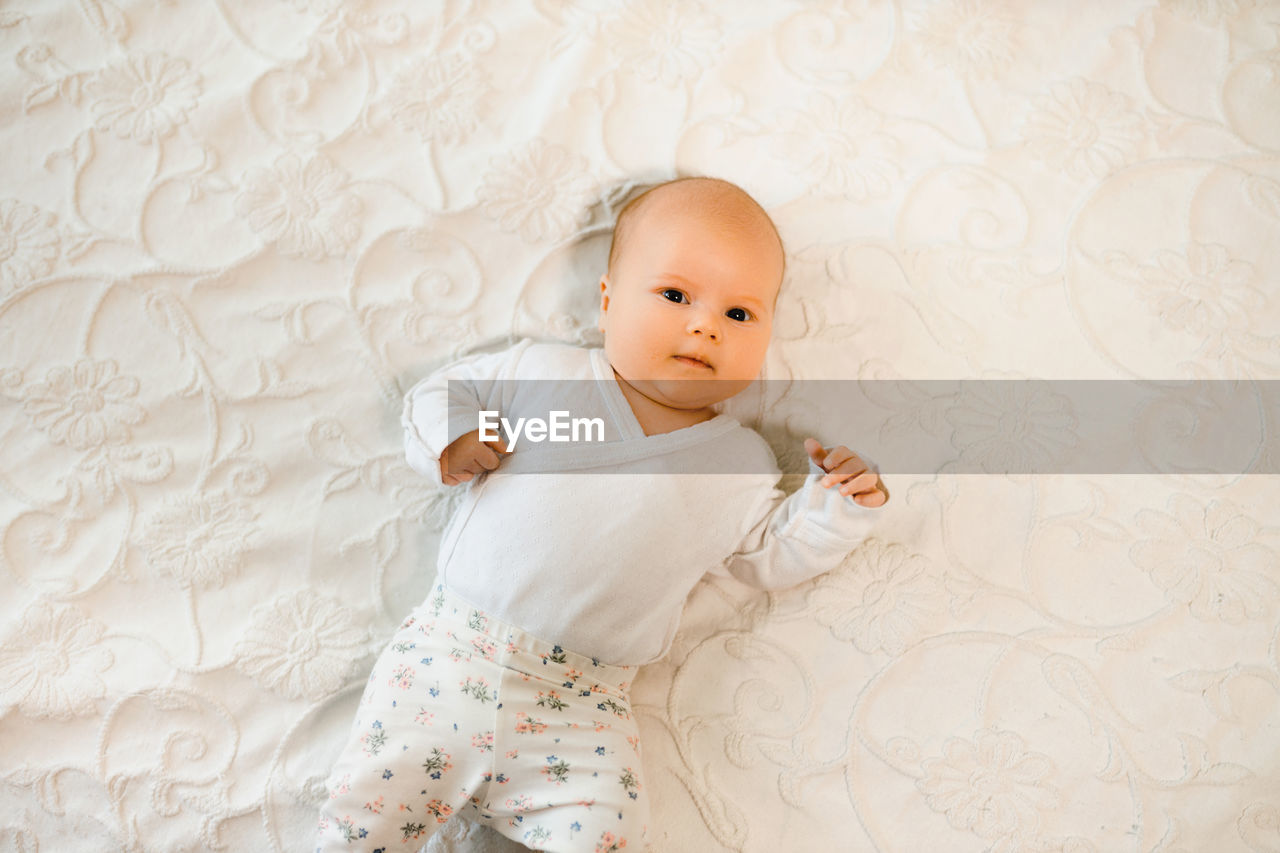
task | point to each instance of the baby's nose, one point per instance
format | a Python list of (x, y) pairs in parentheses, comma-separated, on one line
[(705, 326)]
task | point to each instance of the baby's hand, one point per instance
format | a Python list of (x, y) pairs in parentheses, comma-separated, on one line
[(469, 457), (843, 466)]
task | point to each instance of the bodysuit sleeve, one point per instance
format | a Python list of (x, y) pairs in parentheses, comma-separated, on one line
[(797, 537), (446, 404)]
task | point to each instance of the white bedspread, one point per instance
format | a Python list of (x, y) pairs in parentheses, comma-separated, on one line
[(233, 233)]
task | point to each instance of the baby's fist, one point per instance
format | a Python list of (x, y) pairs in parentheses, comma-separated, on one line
[(469, 457), (844, 466)]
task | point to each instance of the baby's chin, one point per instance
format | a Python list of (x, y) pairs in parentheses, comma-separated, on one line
[(692, 393)]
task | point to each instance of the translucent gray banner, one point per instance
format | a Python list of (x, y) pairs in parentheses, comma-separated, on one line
[(904, 426)]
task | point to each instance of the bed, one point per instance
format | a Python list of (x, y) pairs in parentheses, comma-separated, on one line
[(233, 234)]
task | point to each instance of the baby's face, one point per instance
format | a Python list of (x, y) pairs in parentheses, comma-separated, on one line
[(687, 285)]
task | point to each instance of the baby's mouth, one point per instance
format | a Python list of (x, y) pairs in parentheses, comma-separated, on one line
[(693, 362)]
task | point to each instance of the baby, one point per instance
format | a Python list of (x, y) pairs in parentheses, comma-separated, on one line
[(506, 693)]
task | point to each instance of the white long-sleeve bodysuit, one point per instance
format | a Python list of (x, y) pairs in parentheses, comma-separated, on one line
[(563, 542)]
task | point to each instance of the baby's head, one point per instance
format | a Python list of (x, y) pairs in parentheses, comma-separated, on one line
[(694, 270)]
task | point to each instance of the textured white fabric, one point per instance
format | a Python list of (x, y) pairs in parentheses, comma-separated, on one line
[(233, 234), (601, 558)]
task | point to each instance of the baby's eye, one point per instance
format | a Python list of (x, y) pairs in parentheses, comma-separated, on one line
[(679, 295), (734, 312)]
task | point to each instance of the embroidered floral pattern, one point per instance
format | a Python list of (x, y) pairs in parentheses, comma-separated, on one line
[(86, 406), (439, 97), (1012, 426), (29, 244), (302, 207), (1209, 12), (880, 598), (841, 147), (303, 645), (1084, 128), (199, 541), (52, 666), (667, 40), (1202, 290), (972, 38), (1210, 557), (144, 97), (991, 785), (543, 192)]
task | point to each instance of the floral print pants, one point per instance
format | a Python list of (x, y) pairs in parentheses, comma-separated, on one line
[(466, 713)]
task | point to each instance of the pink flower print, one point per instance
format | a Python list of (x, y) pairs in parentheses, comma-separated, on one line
[(610, 843), (437, 763), (601, 726), (515, 753), (440, 809), (479, 688), (629, 782), (483, 741), (520, 805), (586, 804), (402, 677), (635, 743), (484, 648), (512, 648), (375, 806), (343, 787), (551, 699), (572, 674), (374, 739), (528, 725), (425, 717)]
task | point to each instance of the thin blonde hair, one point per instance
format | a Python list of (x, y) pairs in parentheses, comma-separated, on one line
[(724, 200)]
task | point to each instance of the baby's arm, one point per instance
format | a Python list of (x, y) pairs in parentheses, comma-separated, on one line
[(443, 409), (793, 539)]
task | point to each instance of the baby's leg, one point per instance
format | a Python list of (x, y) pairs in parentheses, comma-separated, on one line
[(409, 762), (570, 764)]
